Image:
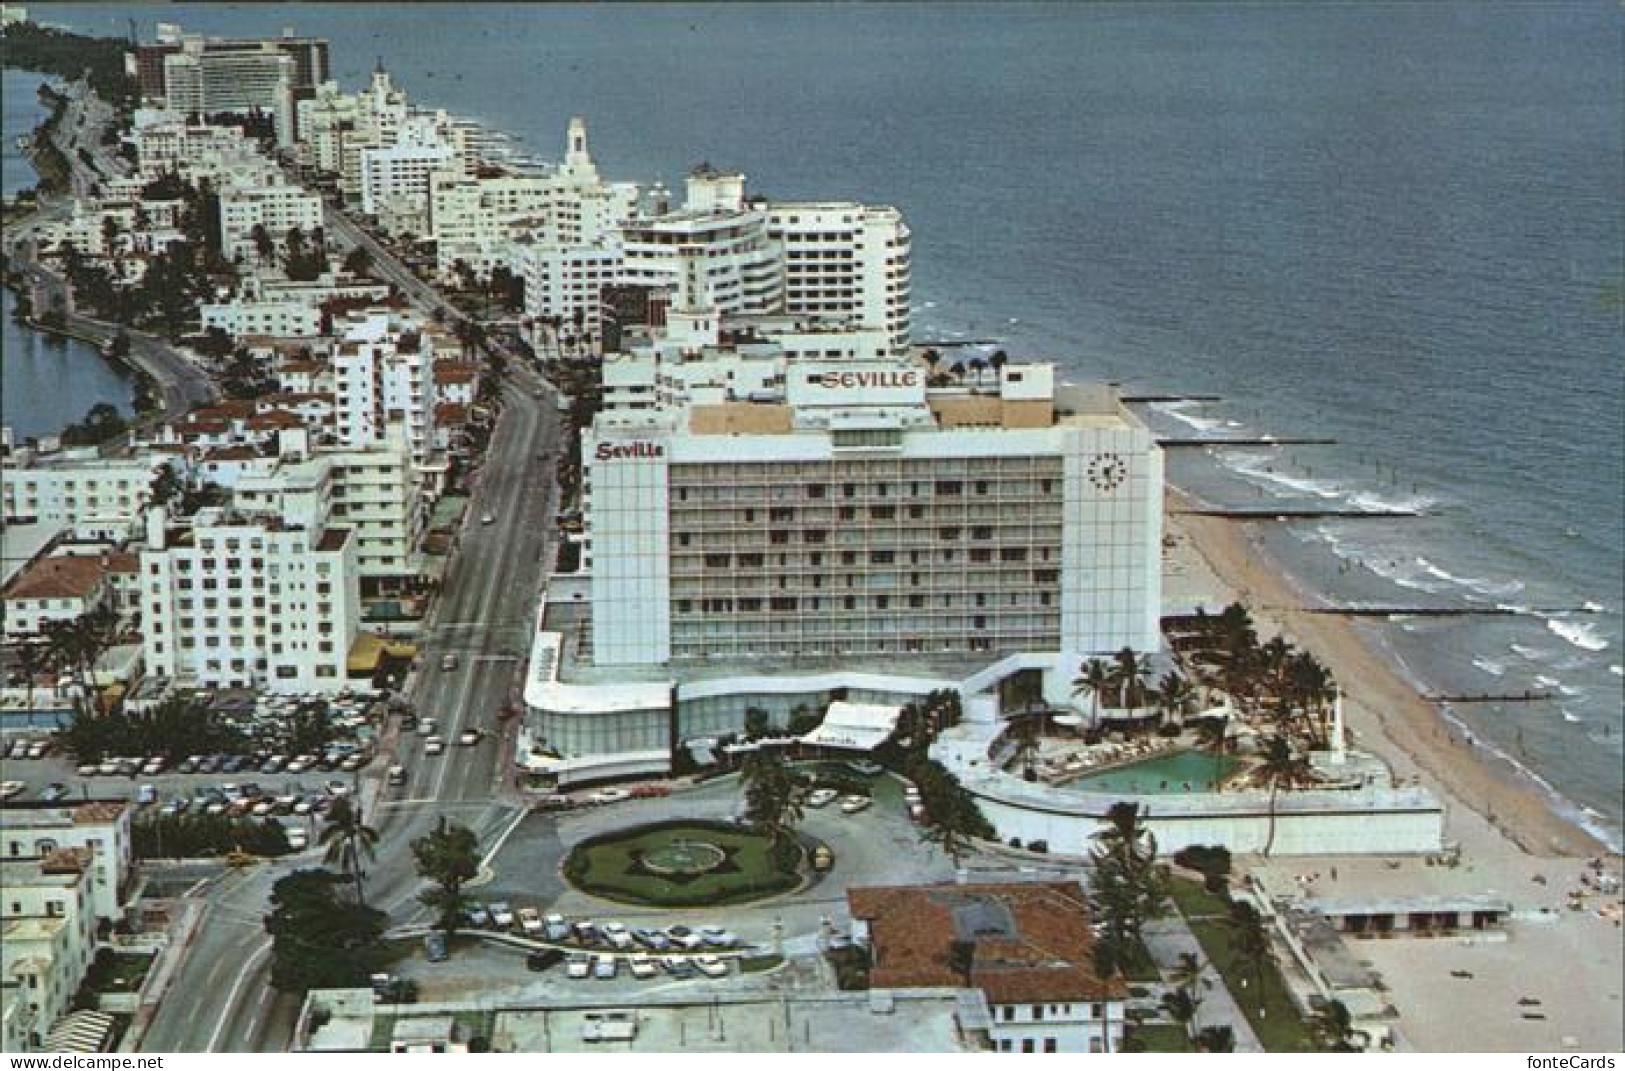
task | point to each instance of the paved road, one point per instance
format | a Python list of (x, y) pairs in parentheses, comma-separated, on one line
[(484, 615)]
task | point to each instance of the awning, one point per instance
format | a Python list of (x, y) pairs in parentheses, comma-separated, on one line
[(854, 726), (80, 1031), (369, 649)]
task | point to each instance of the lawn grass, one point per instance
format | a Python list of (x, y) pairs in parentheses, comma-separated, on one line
[(1156, 1037), (1138, 966), (1279, 1026), (609, 866), (1194, 901)]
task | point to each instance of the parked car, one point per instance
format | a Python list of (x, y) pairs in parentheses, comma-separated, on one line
[(543, 959), (448, 663), (530, 920), (866, 768), (56, 790), (617, 935), (578, 967), (643, 966), (854, 804), (717, 937), (38, 748), (298, 840), (605, 966), (434, 746), (502, 914), (586, 932), (9, 789), (610, 795), (711, 966), (821, 797), (557, 928), (88, 769), (434, 947), (685, 938), (352, 763), (428, 727), (651, 939), (479, 916), (679, 966)]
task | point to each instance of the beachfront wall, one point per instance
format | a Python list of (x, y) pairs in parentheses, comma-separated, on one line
[(1367, 821)]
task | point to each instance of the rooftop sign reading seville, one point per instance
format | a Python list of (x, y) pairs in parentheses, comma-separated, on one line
[(855, 383), (885, 378), (619, 451)]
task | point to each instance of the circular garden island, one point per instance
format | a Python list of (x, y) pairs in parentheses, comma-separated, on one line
[(684, 864)]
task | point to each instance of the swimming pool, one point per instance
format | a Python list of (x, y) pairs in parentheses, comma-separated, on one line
[(1176, 772)]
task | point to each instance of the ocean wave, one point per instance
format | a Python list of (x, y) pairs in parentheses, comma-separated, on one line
[(1581, 634), (1482, 586), (1177, 411), (1545, 681), (1618, 671), (1260, 469), (1533, 654), (1593, 607), (1371, 500), (1571, 717), (1588, 819), (1494, 669)]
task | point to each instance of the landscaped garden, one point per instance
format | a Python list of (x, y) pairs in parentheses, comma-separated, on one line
[(685, 864)]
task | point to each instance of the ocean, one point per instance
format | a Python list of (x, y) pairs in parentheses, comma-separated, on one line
[(1393, 225)]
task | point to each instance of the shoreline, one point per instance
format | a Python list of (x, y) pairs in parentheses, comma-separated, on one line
[(1385, 712)]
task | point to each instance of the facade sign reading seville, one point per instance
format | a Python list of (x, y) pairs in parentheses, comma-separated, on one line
[(625, 451), (830, 383)]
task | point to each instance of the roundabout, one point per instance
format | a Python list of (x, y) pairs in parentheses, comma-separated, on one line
[(690, 863)]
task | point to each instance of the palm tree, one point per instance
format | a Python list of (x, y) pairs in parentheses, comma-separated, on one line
[(31, 658), (1130, 675), (1211, 736), (348, 839), (1187, 979), (1094, 677), (1281, 768), (773, 793), (1025, 731), (1174, 695), (1181, 1005), (1250, 941)]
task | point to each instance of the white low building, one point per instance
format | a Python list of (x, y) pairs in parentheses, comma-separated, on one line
[(101, 828), (70, 490), (277, 207), (276, 319), (47, 942)]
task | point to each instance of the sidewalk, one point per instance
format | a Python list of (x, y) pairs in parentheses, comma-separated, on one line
[(1167, 939)]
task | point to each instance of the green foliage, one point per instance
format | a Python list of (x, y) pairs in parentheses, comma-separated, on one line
[(1206, 859), (318, 940), (609, 866), (774, 794), (448, 855), (349, 840), (102, 422), (1127, 884), (175, 728), (190, 836), (32, 47)]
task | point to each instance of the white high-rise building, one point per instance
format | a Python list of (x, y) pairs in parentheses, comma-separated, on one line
[(717, 246), (262, 594), (846, 262), (863, 514), (383, 375), (205, 81), (396, 177)]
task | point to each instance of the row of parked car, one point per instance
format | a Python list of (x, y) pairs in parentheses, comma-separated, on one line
[(26, 749), (346, 758), (613, 936), (642, 965)]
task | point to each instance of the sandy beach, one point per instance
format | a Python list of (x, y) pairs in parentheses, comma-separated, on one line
[(1215, 563), (1513, 842)]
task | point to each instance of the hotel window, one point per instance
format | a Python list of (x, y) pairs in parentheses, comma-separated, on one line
[(1049, 1045)]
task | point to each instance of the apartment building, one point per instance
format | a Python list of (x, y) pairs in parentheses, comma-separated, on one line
[(47, 942), (275, 319), (717, 246), (278, 207), (262, 594), (567, 281), (846, 262), (383, 373), (864, 514), (69, 491), (98, 831), (396, 177)]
